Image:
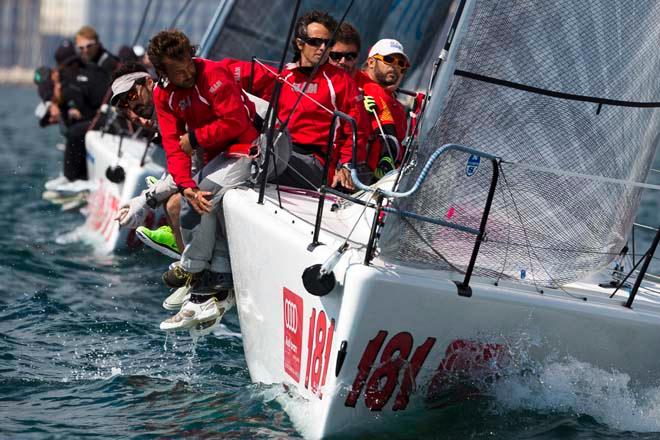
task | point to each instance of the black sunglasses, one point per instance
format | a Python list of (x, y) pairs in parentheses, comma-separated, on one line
[(315, 42), (337, 56)]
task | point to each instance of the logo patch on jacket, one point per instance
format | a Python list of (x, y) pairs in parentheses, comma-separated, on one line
[(311, 88), (214, 88), (185, 103)]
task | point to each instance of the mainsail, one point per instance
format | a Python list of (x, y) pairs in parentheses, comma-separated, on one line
[(567, 94)]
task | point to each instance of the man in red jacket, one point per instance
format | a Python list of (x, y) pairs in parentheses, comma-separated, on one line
[(344, 53), (205, 123), (308, 117), (386, 66)]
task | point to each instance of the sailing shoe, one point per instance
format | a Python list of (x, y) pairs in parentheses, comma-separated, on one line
[(176, 299), (224, 305), (194, 315), (210, 282), (151, 181), (161, 239), (178, 277), (76, 202), (52, 184)]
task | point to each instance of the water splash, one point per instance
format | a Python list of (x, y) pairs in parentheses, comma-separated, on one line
[(572, 386)]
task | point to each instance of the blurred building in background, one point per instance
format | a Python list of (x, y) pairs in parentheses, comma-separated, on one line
[(31, 30)]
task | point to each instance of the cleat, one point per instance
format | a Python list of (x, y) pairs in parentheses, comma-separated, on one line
[(161, 239), (178, 277), (193, 315), (176, 299)]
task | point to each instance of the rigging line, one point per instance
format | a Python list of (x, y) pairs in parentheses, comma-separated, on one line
[(558, 249), (427, 243), (655, 277), (155, 19), (655, 171), (179, 14), (278, 77), (295, 171), (651, 228), (584, 176), (364, 209), (515, 207), (554, 94), (529, 247), (649, 289), (622, 283), (142, 21), (508, 219), (273, 104)]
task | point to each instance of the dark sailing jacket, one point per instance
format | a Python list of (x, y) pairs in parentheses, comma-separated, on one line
[(83, 88)]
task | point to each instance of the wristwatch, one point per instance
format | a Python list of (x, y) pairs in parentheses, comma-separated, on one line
[(152, 202)]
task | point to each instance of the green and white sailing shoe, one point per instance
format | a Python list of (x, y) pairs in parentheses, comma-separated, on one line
[(161, 239)]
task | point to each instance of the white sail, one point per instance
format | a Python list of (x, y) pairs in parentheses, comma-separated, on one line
[(567, 94)]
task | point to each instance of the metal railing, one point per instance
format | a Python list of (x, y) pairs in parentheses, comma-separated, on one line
[(381, 194)]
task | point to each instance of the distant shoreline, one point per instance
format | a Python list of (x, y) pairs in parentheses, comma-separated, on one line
[(16, 75)]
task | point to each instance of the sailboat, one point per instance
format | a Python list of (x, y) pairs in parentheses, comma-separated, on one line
[(495, 244)]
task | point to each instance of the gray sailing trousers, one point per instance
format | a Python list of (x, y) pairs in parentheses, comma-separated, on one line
[(204, 235)]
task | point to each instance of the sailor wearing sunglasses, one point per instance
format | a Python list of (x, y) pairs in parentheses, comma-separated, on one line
[(384, 70), (344, 53), (91, 50)]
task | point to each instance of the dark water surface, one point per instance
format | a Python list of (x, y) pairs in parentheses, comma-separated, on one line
[(81, 354)]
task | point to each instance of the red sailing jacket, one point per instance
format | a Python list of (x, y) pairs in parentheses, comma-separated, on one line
[(331, 89), (215, 112), (392, 116)]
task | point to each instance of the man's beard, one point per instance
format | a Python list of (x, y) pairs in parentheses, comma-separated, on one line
[(383, 80), (144, 110)]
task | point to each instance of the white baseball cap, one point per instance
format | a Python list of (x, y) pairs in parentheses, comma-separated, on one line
[(387, 46), (124, 83)]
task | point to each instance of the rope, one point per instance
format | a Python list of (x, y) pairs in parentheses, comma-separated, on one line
[(142, 21), (280, 78)]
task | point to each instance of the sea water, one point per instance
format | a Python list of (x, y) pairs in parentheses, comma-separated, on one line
[(81, 355)]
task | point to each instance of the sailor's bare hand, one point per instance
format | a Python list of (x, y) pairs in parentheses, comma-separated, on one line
[(199, 200), (184, 143), (121, 214), (343, 177)]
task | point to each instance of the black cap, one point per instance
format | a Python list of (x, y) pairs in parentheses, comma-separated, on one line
[(66, 53)]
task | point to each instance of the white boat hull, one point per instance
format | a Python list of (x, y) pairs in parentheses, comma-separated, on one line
[(100, 228), (405, 332)]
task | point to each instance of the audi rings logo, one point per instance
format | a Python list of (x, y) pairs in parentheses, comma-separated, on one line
[(290, 316)]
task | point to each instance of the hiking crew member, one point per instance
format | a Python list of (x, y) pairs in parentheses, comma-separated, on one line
[(202, 114), (92, 51), (130, 78), (309, 121), (344, 53), (386, 65)]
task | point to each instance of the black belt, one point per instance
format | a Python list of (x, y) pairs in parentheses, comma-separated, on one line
[(307, 149)]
